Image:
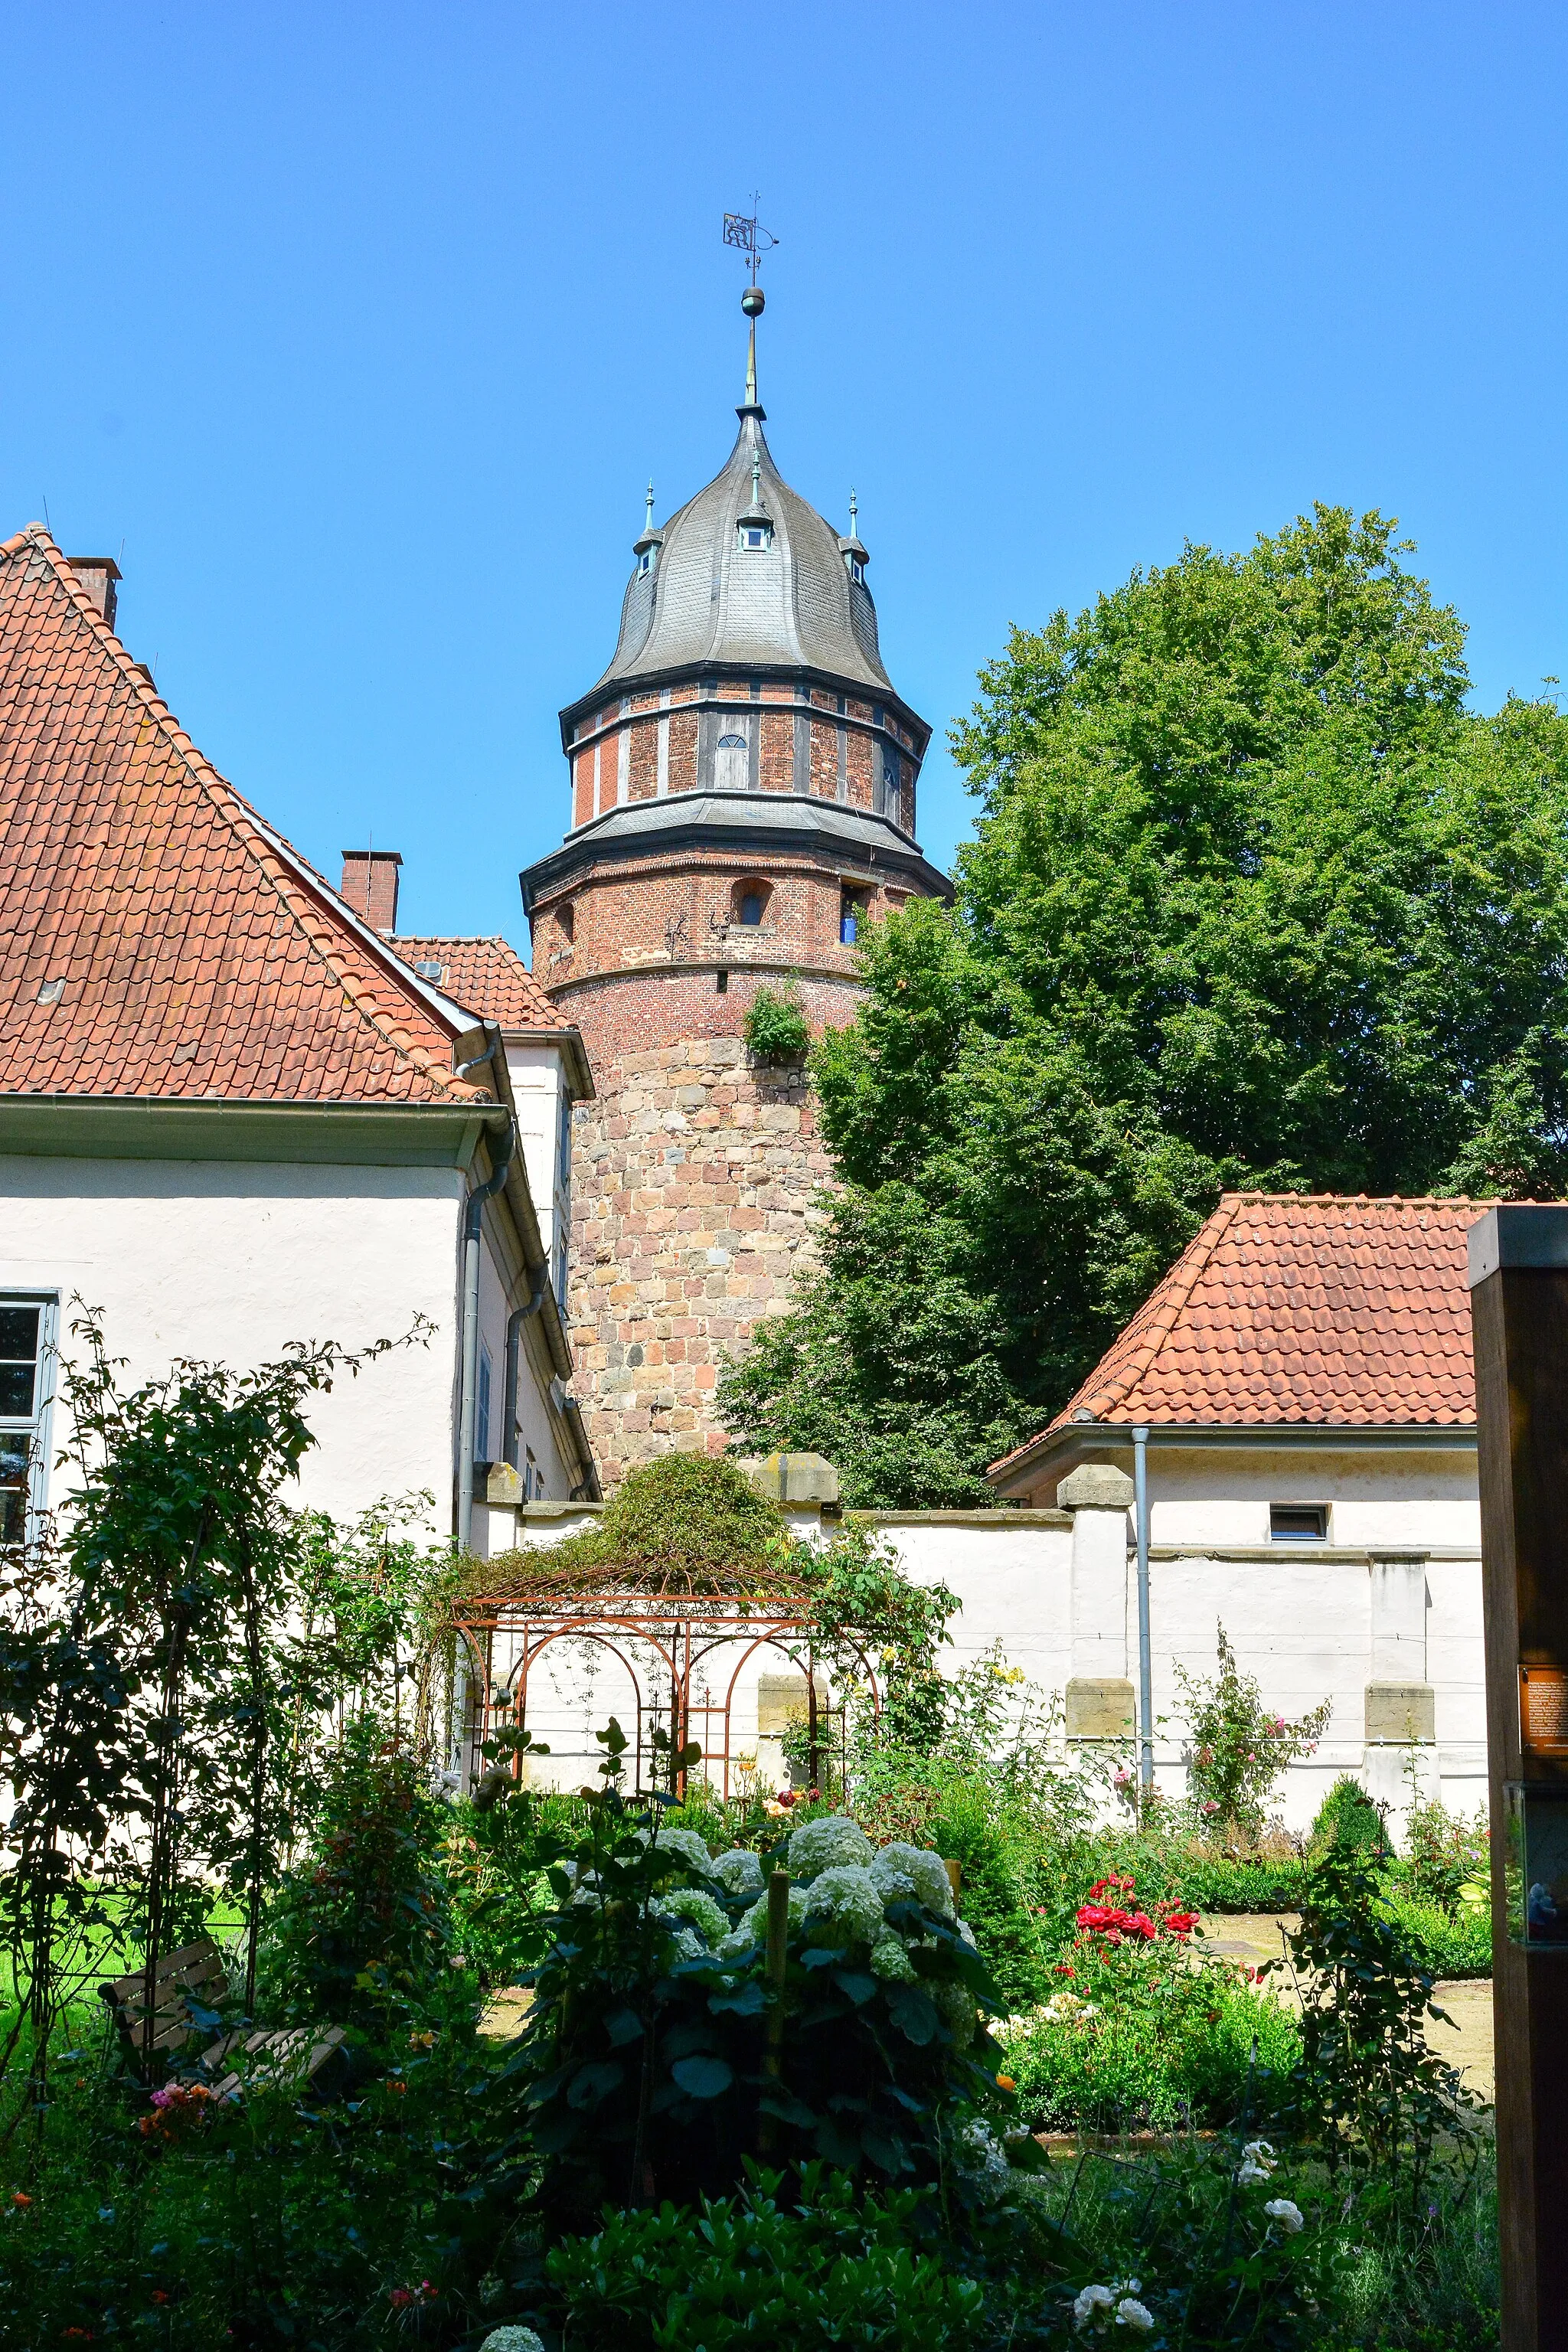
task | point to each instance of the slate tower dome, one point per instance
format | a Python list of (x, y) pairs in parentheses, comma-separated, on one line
[(743, 780)]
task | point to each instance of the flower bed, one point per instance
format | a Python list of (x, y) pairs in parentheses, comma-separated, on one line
[(1144, 2030)]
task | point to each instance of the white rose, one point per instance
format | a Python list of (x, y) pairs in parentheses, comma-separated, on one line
[(1092, 2299), (1131, 2313), (1288, 2216)]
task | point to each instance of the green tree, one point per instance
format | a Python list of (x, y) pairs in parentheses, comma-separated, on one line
[(1254, 901)]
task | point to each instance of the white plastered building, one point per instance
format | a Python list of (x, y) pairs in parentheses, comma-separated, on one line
[(233, 1115)]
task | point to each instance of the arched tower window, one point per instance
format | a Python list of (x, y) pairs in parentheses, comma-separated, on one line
[(749, 903)]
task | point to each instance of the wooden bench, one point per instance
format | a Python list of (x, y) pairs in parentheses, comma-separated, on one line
[(194, 1980)]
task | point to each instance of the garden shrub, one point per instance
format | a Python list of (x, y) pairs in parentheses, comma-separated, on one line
[(360, 1934), (836, 2266), (1238, 1747), (1456, 1943), (1448, 1858), (1348, 1817), (644, 2067), (1368, 2092)]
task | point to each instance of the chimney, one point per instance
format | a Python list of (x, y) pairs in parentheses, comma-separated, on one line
[(98, 574), (370, 886)]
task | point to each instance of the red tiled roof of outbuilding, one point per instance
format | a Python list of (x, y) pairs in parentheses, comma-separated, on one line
[(1297, 1308), (157, 938), (486, 976)]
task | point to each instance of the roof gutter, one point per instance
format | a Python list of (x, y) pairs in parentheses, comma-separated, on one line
[(1062, 1449)]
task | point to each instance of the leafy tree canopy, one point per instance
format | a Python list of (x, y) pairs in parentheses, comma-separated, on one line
[(1255, 901)]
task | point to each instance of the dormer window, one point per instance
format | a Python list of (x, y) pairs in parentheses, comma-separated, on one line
[(857, 570), (644, 562), (756, 534)]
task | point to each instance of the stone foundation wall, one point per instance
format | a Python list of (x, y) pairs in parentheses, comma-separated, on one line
[(693, 1174)]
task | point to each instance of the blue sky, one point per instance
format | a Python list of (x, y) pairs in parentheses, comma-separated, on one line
[(362, 327)]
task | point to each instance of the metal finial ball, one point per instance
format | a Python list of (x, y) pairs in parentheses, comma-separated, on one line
[(752, 300)]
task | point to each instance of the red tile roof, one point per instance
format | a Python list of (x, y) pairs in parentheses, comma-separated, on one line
[(487, 977), (156, 936), (1292, 1307)]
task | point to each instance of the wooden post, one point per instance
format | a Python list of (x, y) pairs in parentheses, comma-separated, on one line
[(777, 1963), (1518, 1305)]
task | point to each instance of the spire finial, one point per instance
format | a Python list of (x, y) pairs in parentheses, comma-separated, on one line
[(756, 476), (647, 522), (742, 229), (854, 511)]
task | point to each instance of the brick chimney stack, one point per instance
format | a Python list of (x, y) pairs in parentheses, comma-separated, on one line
[(370, 886), (98, 574)]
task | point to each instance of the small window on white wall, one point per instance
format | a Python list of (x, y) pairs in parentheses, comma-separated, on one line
[(26, 1333), (1298, 1522)]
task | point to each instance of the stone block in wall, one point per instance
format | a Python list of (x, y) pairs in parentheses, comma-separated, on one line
[(781, 1700), (503, 1484), (1098, 1707), (1094, 1487), (1403, 1713), (794, 1477)]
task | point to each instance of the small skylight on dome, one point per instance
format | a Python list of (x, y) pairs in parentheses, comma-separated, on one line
[(755, 528)]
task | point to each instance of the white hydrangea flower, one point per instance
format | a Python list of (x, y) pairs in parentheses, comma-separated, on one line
[(512, 2339), (681, 1845), (983, 2160), (698, 1909), (891, 1962), (832, 1843), (739, 1871), (901, 1871), (731, 1947), (966, 1934), (755, 1922), (955, 2008), (1288, 2216), (1085, 2304), (848, 1898), (1131, 2313)]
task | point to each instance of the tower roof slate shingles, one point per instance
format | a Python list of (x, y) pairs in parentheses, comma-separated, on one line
[(157, 937), (790, 606), (1290, 1309)]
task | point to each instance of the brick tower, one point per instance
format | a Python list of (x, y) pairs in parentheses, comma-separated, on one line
[(743, 802)]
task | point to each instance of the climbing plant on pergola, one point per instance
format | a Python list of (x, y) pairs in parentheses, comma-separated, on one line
[(690, 1571)]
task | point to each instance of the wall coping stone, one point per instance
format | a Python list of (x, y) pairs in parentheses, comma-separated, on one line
[(1096, 1486)]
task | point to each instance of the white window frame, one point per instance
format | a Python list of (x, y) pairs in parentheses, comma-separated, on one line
[(36, 1425)]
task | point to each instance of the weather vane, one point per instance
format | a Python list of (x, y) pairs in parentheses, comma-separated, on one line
[(743, 231)]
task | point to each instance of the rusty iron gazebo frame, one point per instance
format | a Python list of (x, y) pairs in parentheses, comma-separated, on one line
[(681, 1629)]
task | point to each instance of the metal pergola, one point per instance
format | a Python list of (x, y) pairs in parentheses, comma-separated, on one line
[(666, 1644)]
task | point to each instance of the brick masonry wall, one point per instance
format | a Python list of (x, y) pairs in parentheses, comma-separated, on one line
[(694, 1171)]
